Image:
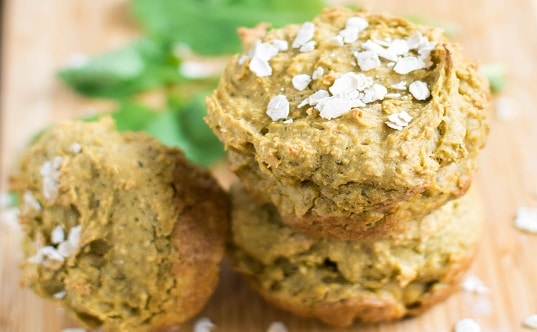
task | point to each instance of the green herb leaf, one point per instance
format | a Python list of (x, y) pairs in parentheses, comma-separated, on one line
[(203, 146), (209, 26), (165, 127), (133, 117), (495, 73), (139, 66), (180, 126)]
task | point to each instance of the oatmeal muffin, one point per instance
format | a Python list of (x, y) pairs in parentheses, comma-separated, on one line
[(338, 120), (122, 231), (342, 281)]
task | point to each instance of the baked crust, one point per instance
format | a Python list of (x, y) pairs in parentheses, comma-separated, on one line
[(317, 170), (152, 227), (338, 281)]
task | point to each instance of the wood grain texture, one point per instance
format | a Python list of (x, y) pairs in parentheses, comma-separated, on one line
[(40, 36)]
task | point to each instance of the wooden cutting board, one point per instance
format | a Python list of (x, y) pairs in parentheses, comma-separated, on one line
[(40, 36)]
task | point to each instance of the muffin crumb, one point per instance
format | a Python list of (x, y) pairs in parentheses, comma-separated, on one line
[(473, 284), (526, 219), (467, 325), (530, 322), (277, 327), (204, 324)]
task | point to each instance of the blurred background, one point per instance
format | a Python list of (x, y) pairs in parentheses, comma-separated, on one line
[(150, 64)]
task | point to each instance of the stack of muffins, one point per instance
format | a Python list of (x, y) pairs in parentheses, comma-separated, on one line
[(355, 137)]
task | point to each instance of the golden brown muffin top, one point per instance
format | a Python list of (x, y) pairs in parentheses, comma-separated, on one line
[(356, 108)]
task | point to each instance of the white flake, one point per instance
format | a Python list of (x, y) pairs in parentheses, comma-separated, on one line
[(374, 93), (242, 59), (304, 35), (307, 47), (57, 235), (393, 95), (357, 22), (37, 258), (66, 249), (367, 60), (261, 54), (264, 51), (314, 98), (318, 96), (74, 235), (278, 107), (337, 40), (301, 81), (425, 56), (526, 219), (419, 90), (277, 327), (398, 121), (204, 325), (288, 121), (353, 27), (379, 50), (51, 254), (348, 83), (333, 107), (467, 325), (425, 50), (51, 176), (349, 35), (408, 64), (398, 47), (383, 42), (319, 72), (261, 68), (399, 86), (76, 148), (30, 203), (281, 45), (422, 44), (473, 284), (195, 69), (530, 322), (60, 295), (416, 40)]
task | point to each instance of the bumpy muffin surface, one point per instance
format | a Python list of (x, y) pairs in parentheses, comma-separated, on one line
[(122, 231), (342, 281), (349, 113)]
